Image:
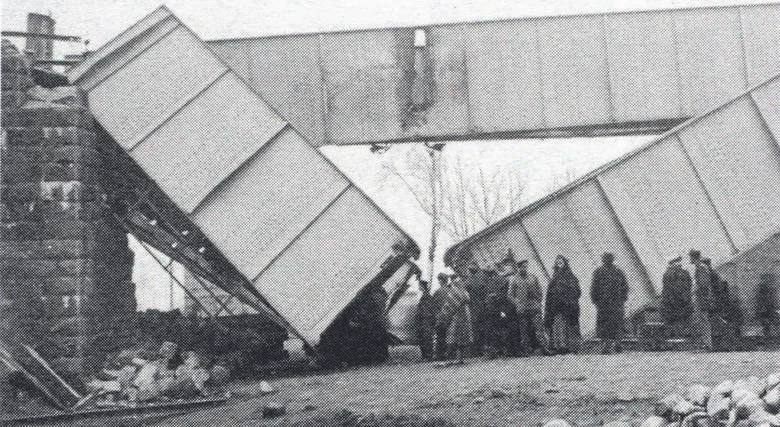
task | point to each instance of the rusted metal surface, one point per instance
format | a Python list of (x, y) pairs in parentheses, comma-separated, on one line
[(615, 73)]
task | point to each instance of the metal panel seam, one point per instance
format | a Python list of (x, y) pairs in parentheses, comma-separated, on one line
[(178, 109), (323, 93), (540, 73), (648, 282), (764, 122), (605, 44), (677, 68), (734, 248), (535, 251), (230, 175), (745, 73), (301, 233), (469, 112)]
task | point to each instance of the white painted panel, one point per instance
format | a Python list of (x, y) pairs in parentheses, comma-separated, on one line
[(504, 76), (326, 267), (710, 54), (767, 98), (574, 70), (235, 53), (286, 73), (601, 232), (761, 35), (739, 164), (153, 86), (207, 140), (663, 208), (257, 212), (642, 66)]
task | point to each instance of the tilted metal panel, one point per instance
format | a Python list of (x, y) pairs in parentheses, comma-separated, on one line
[(663, 207), (269, 201), (574, 71), (643, 73), (767, 98), (193, 151), (739, 164), (710, 56), (761, 37), (504, 76), (235, 53), (287, 74), (175, 69), (516, 238), (323, 270), (361, 76)]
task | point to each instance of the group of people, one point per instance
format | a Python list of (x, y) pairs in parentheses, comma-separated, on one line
[(499, 312)]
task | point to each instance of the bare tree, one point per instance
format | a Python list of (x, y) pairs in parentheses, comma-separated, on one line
[(470, 197), (561, 179)]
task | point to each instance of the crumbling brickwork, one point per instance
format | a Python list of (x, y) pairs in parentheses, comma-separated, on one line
[(65, 264)]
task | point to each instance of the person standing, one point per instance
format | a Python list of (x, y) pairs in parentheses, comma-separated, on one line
[(767, 309), (676, 304), (562, 309), (703, 304), (475, 285), (525, 294), (457, 315), (609, 292), (438, 299), (425, 319)]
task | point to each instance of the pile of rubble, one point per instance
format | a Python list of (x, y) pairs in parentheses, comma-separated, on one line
[(139, 376), (749, 402)]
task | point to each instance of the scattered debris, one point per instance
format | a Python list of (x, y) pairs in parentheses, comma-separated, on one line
[(557, 423), (274, 410)]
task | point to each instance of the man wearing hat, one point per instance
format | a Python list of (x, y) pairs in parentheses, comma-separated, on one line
[(525, 293), (704, 305), (676, 305)]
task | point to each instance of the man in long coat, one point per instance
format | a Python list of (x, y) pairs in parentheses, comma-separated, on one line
[(676, 304), (438, 299), (704, 304), (426, 322), (609, 292), (525, 293), (475, 285)]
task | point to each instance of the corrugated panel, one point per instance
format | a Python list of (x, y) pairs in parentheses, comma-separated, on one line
[(761, 37), (643, 66), (504, 76), (740, 165), (235, 53), (207, 140), (710, 56), (574, 71), (325, 268), (175, 69), (767, 98), (361, 75), (658, 199), (287, 74), (269, 201)]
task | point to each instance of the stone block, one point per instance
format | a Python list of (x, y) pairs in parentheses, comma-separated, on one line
[(51, 136), (65, 210), (61, 95), (58, 285), (66, 248), (71, 191), (71, 154), (47, 116)]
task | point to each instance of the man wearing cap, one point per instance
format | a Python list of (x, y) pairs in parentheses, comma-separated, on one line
[(475, 284), (676, 306), (704, 306), (525, 293)]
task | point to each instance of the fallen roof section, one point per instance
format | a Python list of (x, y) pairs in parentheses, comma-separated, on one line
[(296, 229)]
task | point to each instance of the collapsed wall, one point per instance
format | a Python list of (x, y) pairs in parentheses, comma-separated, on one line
[(65, 265)]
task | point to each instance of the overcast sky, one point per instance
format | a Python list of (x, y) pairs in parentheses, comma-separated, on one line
[(540, 162)]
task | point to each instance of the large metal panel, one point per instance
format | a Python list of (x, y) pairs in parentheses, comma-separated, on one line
[(269, 201), (203, 143), (504, 76), (574, 71), (326, 267), (235, 53), (516, 239), (287, 74), (175, 69), (739, 164), (767, 98), (658, 198), (761, 37), (643, 66), (710, 56), (361, 75)]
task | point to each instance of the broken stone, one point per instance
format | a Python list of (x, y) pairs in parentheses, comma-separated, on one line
[(309, 408), (718, 406), (146, 376), (698, 394), (654, 422), (498, 393), (274, 410), (772, 398), (479, 400), (625, 396), (266, 388), (557, 423), (168, 350)]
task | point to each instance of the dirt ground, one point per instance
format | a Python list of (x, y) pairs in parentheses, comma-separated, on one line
[(585, 389)]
